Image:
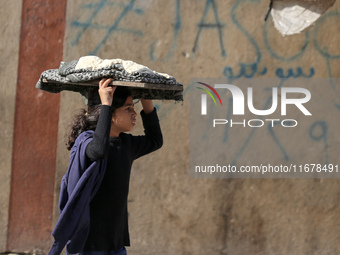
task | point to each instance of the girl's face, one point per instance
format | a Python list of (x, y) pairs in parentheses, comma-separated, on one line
[(123, 118)]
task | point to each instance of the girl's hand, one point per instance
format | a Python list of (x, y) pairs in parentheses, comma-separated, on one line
[(106, 92), (147, 105)]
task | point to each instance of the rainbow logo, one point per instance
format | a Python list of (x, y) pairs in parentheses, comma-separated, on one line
[(209, 93), (204, 97)]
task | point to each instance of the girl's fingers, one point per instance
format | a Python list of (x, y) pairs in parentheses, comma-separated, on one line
[(105, 91), (103, 83), (107, 82)]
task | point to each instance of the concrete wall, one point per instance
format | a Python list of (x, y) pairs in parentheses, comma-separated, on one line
[(9, 48), (171, 213)]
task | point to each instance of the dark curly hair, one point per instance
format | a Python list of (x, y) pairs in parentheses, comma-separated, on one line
[(87, 120)]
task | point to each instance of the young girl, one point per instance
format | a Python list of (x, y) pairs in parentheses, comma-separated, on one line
[(94, 191)]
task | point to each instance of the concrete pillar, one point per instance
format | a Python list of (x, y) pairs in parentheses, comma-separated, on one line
[(35, 128)]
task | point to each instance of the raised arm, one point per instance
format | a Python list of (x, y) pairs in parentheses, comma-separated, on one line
[(100, 143), (147, 106), (153, 139)]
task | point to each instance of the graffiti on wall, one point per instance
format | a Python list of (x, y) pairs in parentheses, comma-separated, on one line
[(318, 131), (127, 9)]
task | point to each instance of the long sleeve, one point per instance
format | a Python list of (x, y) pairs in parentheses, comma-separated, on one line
[(153, 138), (99, 146)]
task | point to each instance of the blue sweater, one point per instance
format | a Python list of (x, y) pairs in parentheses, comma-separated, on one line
[(78, 186)]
